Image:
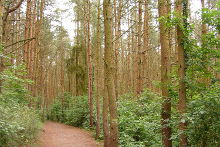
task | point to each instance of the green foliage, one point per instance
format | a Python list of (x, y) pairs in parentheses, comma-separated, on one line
[(70, 110), (19, 124), (139, 120), (76, 65), (203, 117), (202, 65), (212, 16), (14, 84)]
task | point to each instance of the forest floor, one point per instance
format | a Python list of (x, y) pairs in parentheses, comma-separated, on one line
[(60, 135)]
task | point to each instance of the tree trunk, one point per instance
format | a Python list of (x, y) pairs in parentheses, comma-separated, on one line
[(165, 49), (1, 40), (139, 51), (105, 114), (109, 66), (146, 50), (182, 67), (27, 34), (98, 72), (89, 65)]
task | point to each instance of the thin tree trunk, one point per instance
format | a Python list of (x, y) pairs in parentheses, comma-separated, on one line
[(139, 51), (1, 39), (116, 47), (27, 34), (146, 50), (89, 65), (98, 71)]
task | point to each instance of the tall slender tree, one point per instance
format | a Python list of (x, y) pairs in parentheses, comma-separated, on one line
[(89, 64), (181, 8), (109, 73), (165, 49), (98, 70), (139, 51)]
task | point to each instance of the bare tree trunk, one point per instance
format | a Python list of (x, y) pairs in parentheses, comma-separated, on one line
[(146, 49), (89, 65), (139, 51), (109, 66), (1, 39), (116, 47), (98, 71), (27, 35)]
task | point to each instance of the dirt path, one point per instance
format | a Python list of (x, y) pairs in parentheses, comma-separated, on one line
[(60, 135)]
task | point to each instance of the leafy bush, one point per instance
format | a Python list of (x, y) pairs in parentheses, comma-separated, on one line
[(203, 116), (139, 120), (73, 111), (19, 124), (14, 85)]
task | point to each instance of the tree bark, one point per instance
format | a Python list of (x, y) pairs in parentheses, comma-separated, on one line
[(109, 66), (27, 34), (182, 74), (146, 49), (89, 65), (139, 51), (98, 71), (165, 49)]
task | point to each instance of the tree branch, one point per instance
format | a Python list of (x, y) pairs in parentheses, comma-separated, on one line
[(15, 7), (25, 40)]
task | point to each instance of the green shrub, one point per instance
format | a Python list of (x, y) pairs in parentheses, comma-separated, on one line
[(204, 118), (19, 125), (139, 120), (78, 111), (73, 111)]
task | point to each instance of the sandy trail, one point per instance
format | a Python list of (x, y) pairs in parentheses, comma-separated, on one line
[(60, 135)]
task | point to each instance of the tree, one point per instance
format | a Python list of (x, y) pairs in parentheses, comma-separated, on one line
[(181, 8), (109, 72), (98, 71), (165, 49), (89, 64), (146, 48), (139, 51)]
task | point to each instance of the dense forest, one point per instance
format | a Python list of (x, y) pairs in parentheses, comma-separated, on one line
[(134, 73)]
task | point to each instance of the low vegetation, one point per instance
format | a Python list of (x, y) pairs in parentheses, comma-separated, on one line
[(19, 124), (140, 121)]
